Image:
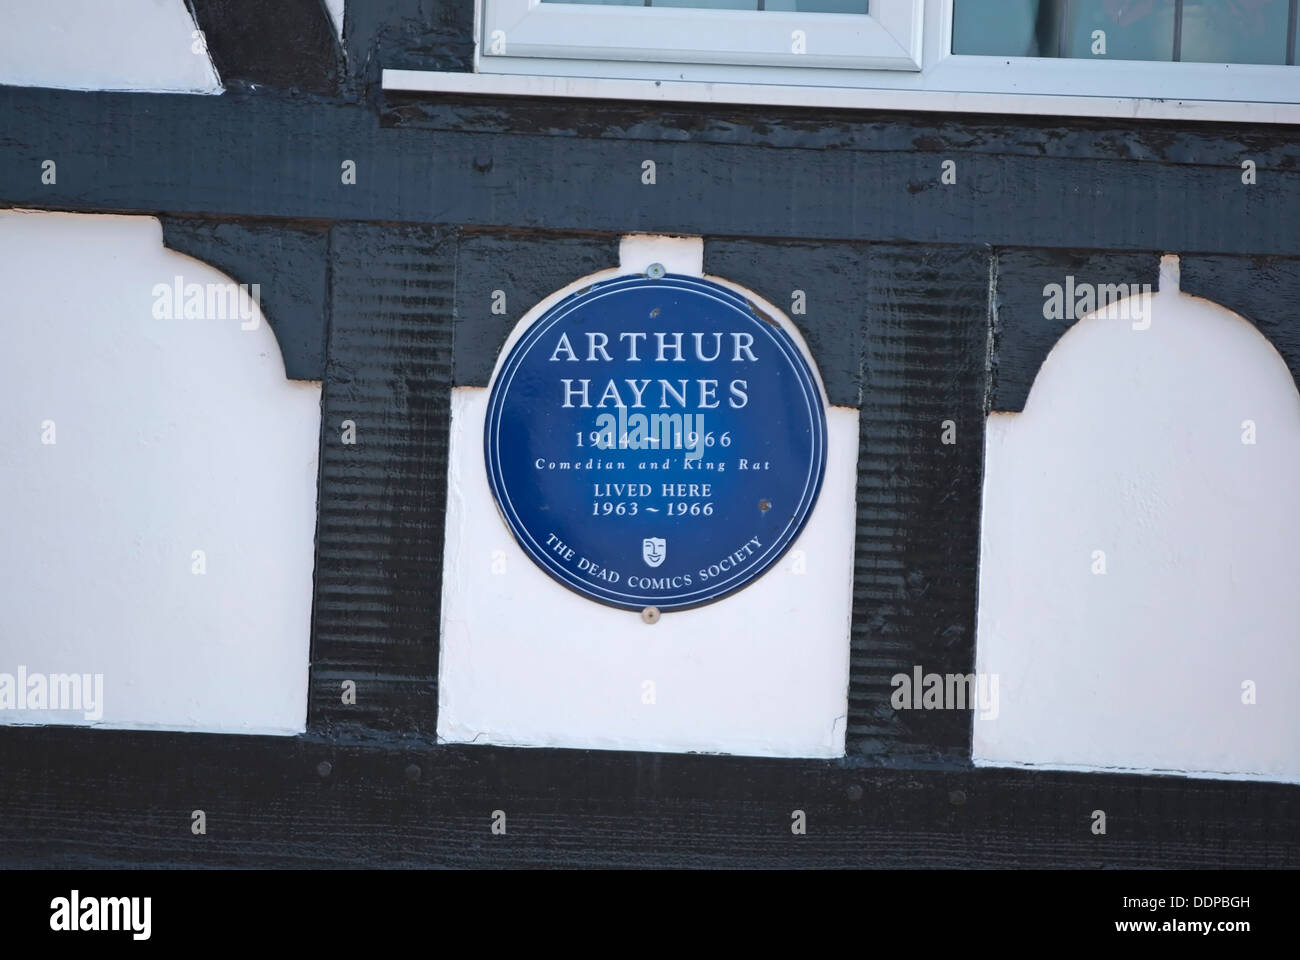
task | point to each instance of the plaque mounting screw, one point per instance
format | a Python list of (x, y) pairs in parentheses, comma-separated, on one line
[(650, 615), (655, 271)]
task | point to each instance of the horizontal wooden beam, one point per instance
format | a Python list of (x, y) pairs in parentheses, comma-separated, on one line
[(117, 798), (563, 166)]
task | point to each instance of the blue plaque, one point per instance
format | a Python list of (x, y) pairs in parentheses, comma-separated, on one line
[(655, 442)]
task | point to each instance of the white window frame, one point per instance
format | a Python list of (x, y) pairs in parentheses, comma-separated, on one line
[(1101, 76), (1244, 93), (888, 38)]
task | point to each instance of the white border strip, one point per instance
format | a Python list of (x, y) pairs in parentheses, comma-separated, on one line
[(836, 98)]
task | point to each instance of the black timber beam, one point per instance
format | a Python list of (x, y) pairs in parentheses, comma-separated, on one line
[(285, 44), (407, 35), (277, 157), (1023, 334), (289, 266), (74, 798)]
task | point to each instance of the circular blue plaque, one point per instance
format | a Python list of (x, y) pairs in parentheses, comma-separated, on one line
[(655, 442)]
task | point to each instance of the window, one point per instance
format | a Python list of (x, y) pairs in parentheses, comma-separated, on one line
[(1209, 50), (1193, 31), (878, 35), (1230, 60)]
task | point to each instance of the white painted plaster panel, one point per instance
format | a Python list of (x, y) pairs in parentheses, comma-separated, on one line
[(335, 8), (172, 435), (1131, 444), (96, 45), (526, 662)]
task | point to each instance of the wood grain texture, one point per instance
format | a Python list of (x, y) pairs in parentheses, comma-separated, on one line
[(288, 44), (288, 263), (1022, 335), (103, 798), (917, 547), (382, 498), (406, 35), (130, 152), (940, 135), (1264, 290), (834, 281), (526, 268)]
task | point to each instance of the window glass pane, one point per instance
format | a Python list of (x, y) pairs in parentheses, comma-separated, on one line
[(1245, 31), (1133, 29), (818, 6), (1009, 28), (708, 4), (789, 6)]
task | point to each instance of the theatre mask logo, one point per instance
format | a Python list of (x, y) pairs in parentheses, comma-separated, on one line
[(653, 549)]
